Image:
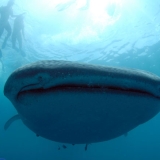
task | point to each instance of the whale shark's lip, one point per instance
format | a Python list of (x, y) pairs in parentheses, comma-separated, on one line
[(58, 74)]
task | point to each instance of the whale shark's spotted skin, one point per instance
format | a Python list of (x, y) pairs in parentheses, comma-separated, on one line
[(78, 103)]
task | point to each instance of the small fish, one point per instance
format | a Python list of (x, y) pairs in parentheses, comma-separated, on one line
[(64, 146), (86, 147), (37, 135)]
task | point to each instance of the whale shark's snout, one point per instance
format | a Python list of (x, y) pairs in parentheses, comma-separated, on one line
[(48, 74)]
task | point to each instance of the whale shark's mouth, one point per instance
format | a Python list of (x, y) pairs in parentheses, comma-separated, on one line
[(81, 87)]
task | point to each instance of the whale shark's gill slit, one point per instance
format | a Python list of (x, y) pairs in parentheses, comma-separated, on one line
[(72, 86)]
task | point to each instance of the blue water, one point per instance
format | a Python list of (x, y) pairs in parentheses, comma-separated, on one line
[(123, 33)]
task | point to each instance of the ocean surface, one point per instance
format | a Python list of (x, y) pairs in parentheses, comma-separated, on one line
[(121, 33)]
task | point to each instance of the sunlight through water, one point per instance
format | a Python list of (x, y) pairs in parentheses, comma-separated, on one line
[(118, 33)]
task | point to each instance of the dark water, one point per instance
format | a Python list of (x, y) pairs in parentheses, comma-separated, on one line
[(118, 33)]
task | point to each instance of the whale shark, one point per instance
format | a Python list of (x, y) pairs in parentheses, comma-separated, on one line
[(79, 103)]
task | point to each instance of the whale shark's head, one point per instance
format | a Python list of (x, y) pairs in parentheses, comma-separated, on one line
[(51, 73), (58, 98)]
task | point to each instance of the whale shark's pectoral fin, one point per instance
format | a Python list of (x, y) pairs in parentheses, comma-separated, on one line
[(11, 120)]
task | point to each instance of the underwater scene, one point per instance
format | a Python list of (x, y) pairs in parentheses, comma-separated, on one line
[(79, 80)]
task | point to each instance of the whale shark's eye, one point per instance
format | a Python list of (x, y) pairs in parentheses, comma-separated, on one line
[(40, 78)]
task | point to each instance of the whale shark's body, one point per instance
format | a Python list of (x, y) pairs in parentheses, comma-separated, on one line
[(80, 103)]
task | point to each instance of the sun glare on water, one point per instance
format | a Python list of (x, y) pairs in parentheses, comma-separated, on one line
[(81, 19), (99, 10), (104, 11)]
